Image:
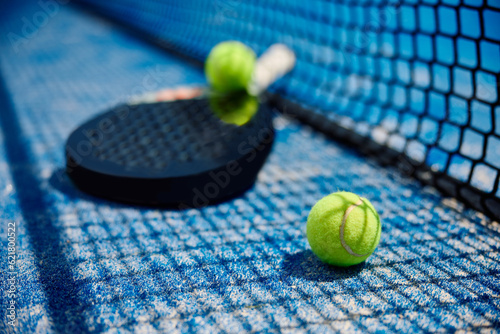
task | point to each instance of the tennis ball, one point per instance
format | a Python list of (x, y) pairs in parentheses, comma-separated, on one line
[(229, 66), (236, 108), (343, 229)]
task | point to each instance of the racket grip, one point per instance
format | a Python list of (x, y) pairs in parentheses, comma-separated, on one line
[(277, 61)]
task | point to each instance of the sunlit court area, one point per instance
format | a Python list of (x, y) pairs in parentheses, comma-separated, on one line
[(231, 166)]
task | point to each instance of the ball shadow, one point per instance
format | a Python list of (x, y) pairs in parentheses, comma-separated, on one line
[(308, 266)]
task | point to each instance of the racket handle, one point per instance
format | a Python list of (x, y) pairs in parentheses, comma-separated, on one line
[(277, 61), (168, 94)]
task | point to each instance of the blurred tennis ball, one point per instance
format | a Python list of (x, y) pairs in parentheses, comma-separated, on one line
[(236, 108), (229, 66)]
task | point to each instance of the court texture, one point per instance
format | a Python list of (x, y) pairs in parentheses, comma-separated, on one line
[(394, 101)]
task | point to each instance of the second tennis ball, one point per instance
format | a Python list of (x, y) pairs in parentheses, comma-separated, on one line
[(229, 66), (343, 229), (237, 108)]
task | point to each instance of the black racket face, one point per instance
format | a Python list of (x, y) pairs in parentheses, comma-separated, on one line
[(185, 152)]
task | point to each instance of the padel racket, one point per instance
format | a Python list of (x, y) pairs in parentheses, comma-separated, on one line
[(198, 149)]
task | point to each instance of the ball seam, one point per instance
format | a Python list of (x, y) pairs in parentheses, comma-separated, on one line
[(342, 227)]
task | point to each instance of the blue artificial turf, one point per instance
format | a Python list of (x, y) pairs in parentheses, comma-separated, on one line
[(89, 265)]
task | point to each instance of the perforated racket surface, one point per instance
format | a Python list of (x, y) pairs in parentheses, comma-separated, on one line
[(169, 153)]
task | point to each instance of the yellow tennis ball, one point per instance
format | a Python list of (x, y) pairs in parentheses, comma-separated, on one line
[(229, 66), (236, 108), (343, 229)]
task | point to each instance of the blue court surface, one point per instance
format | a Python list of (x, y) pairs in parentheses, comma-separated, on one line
[(90, 265)]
